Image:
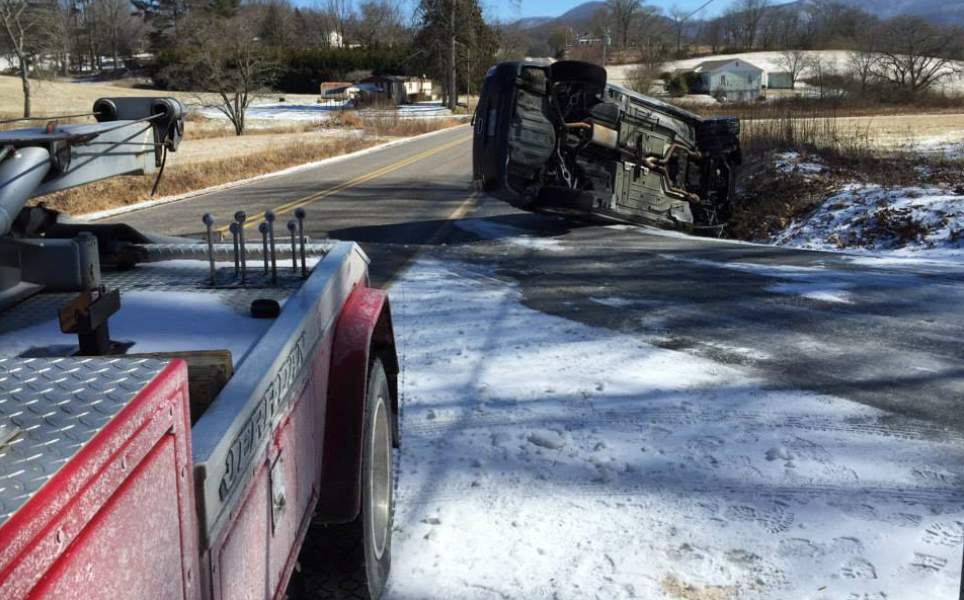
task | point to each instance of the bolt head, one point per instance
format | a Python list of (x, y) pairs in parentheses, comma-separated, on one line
[(269, 216), (240, 216), (299, 213), (292, 226), (233, 227), (207, 219), (263, 227)]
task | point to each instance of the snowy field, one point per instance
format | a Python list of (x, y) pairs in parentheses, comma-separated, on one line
[(271, 113), (543, 458)]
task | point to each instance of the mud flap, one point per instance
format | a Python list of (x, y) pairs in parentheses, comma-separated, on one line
[(364, 330)]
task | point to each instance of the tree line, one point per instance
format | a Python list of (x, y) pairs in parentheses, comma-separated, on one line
[(234, 49), (898, 58)]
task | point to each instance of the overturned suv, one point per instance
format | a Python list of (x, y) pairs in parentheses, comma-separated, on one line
[(558, 139)]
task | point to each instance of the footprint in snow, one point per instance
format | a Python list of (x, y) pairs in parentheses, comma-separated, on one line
[(549, 439), (926, 563), (858, 568), (945, 534)]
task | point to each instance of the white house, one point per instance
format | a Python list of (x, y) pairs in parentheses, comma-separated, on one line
[(730, 79)]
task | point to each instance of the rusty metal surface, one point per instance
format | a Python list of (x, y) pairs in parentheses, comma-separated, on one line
[(50, 408)]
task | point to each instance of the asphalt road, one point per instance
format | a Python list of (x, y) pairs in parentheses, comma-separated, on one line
[(883, 334)]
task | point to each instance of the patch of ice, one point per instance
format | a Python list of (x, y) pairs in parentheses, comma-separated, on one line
[(822, 291), (491, 230), (613, 302)]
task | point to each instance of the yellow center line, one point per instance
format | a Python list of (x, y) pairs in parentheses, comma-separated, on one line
[(293, 204), (460, 211)]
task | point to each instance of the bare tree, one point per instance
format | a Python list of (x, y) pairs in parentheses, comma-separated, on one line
[(822, 71), (863, 62), (915, 54), (24, 26), (228, 65), (380, 23), (679, 15), (118, 30), (652, 39), (341, 12), (748, 14), (623, 14), (793, 62)]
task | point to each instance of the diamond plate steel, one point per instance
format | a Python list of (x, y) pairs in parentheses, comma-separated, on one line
[(50, 408)]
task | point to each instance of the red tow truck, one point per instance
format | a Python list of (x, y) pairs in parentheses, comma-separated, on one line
[(176, 413)]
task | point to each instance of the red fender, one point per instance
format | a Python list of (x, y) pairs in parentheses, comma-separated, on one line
[(364, 331)]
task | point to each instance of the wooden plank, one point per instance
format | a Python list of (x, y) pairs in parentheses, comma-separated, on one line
[(207, 371)]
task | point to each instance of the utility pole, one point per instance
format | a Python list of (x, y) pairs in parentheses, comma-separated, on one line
[(453, 93)]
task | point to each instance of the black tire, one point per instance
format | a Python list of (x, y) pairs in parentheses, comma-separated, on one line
[(718, 135), (342, 561), (577, 71)]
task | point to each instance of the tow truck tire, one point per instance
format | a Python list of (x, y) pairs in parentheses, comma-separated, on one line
[(352, 561)]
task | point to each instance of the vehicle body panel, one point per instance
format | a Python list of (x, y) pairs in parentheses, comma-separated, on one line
[(116, 516), (559, 139)]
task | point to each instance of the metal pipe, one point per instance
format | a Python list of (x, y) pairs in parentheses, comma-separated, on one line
[(300, 215), (269, 217), (240, 217), (263, 228), (20, 175), (208, 221), (294, 253), (233, 228)]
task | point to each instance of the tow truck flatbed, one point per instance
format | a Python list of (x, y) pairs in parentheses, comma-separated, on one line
[(174, 413)]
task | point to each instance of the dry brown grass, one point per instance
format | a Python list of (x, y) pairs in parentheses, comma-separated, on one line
[(830, 107), (123, 191)]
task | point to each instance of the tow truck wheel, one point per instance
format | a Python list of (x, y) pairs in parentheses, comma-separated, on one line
[(353, 560)]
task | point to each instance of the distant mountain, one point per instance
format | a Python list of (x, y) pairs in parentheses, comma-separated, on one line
[(531, 22), (576, 17), (939, 11), (944, 12), (580, 15)]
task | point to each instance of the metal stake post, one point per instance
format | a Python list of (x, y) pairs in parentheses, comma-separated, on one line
[(208, 221), (300, 215)]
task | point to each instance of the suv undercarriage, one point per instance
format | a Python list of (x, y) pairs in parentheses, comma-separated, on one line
[(559, 139)]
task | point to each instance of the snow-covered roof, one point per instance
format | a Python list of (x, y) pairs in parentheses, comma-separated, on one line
[(719, 65)]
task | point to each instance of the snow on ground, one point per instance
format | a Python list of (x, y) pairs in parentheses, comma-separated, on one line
[(949, 145), (542, 458), (792, 162), (273, 112), (905, 220)]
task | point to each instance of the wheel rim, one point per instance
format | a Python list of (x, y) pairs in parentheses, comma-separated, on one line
[(380, 483)]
